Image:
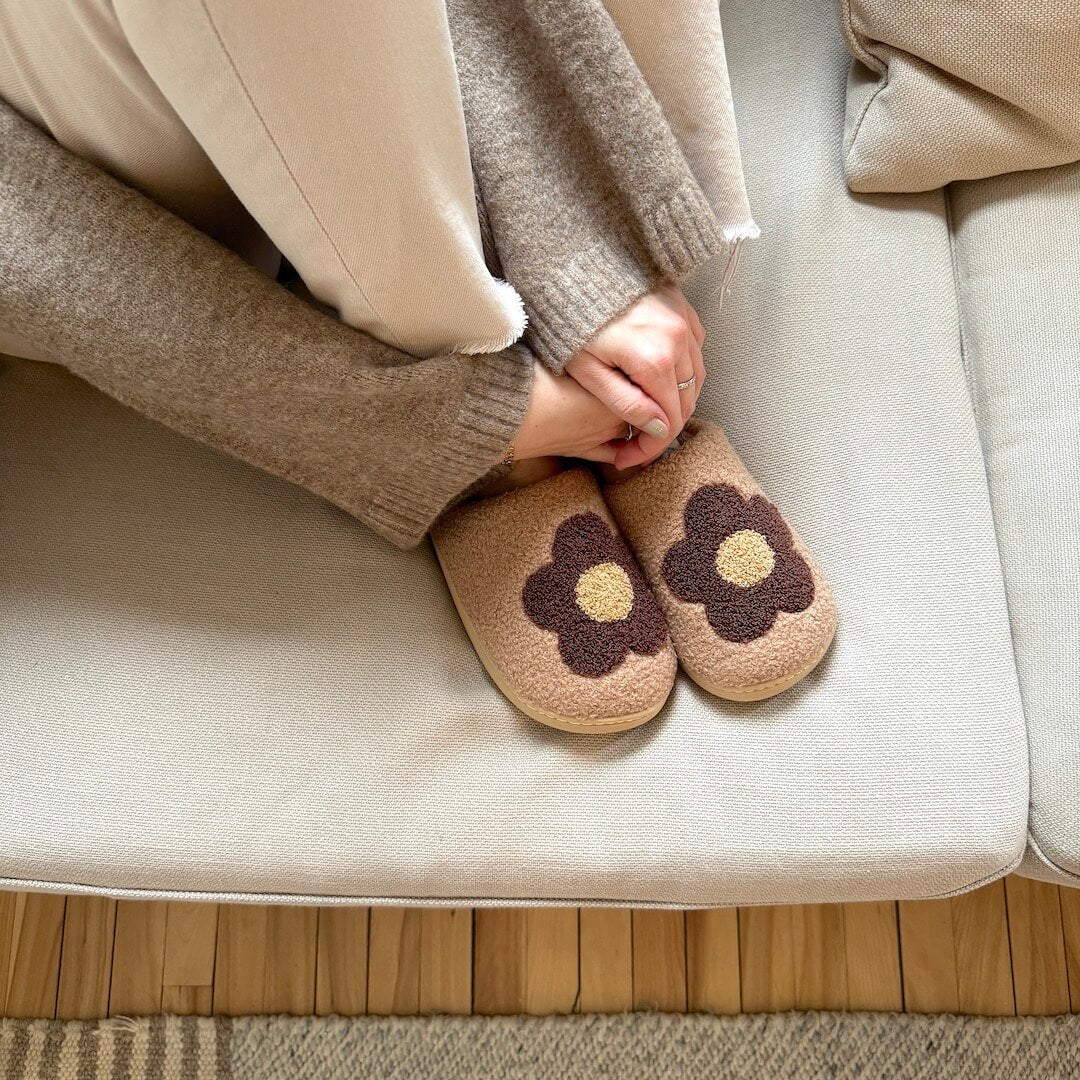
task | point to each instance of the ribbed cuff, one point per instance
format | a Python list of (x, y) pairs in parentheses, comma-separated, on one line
[(496, 397), (575, 301)]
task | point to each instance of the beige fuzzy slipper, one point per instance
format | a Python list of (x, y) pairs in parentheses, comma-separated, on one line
[(747, 604), (556, 607)]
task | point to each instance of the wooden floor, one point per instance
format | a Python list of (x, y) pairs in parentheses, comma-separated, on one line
[(1011, 947)]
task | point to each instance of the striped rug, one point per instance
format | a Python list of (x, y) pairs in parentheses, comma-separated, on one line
[(636, 1046), (120, 1049)]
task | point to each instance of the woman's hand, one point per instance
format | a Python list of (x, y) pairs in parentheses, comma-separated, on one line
[(564, 420), (633, 366)]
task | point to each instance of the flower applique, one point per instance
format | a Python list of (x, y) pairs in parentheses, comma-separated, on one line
[(738, 560), (593, 596)]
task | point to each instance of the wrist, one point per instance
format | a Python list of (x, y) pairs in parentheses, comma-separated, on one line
[(533, 438)]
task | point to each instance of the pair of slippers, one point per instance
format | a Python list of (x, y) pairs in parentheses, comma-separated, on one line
[(582, 600)]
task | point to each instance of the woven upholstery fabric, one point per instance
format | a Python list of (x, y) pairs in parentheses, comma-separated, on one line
[(217, 684), (1018, 273), (945, 90)]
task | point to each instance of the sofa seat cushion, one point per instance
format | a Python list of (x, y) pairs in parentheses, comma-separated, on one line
[(1018, 273), (218, 685)]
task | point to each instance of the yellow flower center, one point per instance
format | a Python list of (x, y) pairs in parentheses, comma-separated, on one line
[(745, 558), (604, 592)]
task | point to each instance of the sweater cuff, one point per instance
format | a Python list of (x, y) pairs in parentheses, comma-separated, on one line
[(577, 300), (496, 397)]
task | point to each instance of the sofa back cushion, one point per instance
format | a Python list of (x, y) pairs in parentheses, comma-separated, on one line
[(947, 90)]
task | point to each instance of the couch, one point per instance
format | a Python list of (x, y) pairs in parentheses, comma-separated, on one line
[(218, 687)]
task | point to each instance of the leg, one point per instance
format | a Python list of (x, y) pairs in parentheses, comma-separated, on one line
[(339, 125), (333, 129)]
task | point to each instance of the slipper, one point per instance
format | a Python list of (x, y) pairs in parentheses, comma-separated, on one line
[(555, 606), (748, 606)]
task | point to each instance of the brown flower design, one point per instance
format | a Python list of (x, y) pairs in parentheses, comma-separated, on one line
[(593, 596), (738, 559)]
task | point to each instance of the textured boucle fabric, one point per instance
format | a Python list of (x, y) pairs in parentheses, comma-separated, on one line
[(168, 321), (513, 562), (738, 561), (946, 90), (589, 198), (628, 1046), (674, 516), (592, 595)]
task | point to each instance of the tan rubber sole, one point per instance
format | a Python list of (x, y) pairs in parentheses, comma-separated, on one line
[(759, 691), (603, 726)]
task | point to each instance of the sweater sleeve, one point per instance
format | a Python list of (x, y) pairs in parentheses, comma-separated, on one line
[(158, 315), (588, 196)]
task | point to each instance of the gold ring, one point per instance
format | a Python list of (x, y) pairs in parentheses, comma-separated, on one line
[(688, 384)]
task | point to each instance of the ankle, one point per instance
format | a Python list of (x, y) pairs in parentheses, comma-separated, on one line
[(522, 473)]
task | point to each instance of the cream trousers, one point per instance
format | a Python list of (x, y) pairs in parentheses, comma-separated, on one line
[(331, 131)]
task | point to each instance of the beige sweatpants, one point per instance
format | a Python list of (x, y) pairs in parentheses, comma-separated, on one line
[(331, 131)]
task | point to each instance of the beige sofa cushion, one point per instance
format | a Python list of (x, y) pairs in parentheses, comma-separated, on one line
[(1018, 283), (215, 684), (948, 90)]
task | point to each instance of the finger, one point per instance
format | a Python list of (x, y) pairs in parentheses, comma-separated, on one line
[(630, 454), (650, 365), (624, 398), (699, 371), (693, 392), (696, 327), (698, 331), (686, 371), (605, 452)]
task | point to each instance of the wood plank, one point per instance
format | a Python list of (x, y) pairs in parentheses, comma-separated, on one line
[(1070, 919), (983, 960), (137, 957), (551, 960), (190, 957), (291, 945), (499, 959), (712, 961), (819, 956), (188, 1000), (1037, 937), (342, 962), (606, 960), (766, 959), (394, 961), (86, 958), (240, 960), (446, 936), (928, 953), (138, 963), (8, 901), (659, 959), (872, 947), (33, 970)]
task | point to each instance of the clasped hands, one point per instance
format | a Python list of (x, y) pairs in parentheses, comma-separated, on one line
[(629, 373)]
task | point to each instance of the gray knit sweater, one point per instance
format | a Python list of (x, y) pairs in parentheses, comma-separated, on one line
[(585, 203)]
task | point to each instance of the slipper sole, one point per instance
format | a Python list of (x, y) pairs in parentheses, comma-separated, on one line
[(759, 691)]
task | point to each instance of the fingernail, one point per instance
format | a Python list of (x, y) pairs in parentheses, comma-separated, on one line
[(656, 428)]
